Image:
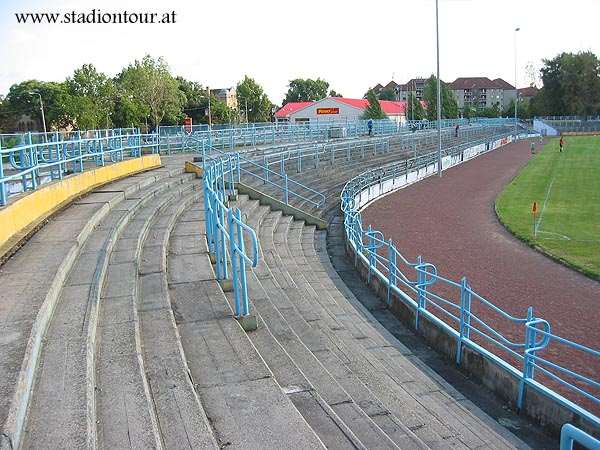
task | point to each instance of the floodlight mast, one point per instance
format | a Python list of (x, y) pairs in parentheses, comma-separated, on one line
[(439, 94)]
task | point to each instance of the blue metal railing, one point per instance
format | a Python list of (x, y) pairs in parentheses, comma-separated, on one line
[(176, 138), (289, 187), (35, 161), (225, 230), (452, 304), (570, 434)]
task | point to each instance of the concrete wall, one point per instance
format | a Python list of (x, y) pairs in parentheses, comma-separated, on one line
[(28, 210), (543, 128)]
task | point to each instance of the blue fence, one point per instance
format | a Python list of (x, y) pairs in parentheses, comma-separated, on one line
[(176, 138), (45, 157), (570, 434), (519, 344), (225, 230)]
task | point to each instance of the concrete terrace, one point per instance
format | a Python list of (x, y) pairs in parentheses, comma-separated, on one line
[(132, 344)]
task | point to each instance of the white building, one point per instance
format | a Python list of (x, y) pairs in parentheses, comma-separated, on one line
[(336, 109)]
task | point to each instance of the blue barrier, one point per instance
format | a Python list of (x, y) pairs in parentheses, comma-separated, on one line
[(225, 230), (288, 187), (570, 434), (32, 163), (450, 304), (176, 138)]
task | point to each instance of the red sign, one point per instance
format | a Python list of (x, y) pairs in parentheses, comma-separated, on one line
[(328, 110), (187, 124)]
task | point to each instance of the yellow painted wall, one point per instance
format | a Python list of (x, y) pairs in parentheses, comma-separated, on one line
[(35, 206)]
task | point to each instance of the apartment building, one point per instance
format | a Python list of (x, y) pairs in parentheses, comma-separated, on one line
[(482, 92), (227, 96)]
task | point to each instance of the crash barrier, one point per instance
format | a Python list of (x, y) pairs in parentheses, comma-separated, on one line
[(43, 157), (225, 230), (179, 137)]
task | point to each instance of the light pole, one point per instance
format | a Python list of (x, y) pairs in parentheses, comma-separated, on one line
[(439, 93), (516, 88), (209, 117), (41, 109)]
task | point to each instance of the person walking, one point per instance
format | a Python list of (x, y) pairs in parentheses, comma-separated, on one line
[(561, 143), (370, 126)]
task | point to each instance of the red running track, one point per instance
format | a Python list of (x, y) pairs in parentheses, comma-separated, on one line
[(451, 222)]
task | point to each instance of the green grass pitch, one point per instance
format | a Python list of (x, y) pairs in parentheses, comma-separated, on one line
[(566, 187)]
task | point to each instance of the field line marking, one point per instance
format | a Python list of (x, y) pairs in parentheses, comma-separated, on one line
[(539, 221)]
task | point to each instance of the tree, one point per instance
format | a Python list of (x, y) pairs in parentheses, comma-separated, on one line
[(449, 105), (387, 94), (414, 109), (22, 100), (333, 93), (153, 90), (196, 100), (259, 105), (91, 99), (373, 110), (571, 85), (306, 90), (522, 110)]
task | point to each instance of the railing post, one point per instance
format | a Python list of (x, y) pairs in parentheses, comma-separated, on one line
[(527, 358), (420, 290), (266, 169), (286, 192), (465, 318), (2, 188), (370, 249), (391, 270), (233, 231), (242, 266)]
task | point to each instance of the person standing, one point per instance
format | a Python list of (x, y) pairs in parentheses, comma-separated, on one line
[(370, 126), (456, 131), (561, 143)]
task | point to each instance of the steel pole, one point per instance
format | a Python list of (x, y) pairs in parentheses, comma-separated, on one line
[(209, 117), (516, 88), (439, 93)]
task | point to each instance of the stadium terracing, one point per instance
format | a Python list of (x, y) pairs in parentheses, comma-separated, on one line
[(217, 289)]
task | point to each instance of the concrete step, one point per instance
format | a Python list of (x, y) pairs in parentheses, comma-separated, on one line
[(63, 400), (181, 418), (272, 304), (327, 179), (431, 397), (326, 311), (126, 410), (245, 406), (32, 280)]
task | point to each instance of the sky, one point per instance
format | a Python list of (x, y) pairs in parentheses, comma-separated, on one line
[(351, 44)]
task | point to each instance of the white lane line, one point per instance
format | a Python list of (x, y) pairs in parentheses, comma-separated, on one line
[(539, 221)]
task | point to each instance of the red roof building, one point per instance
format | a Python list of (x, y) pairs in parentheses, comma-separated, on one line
[(336, 108), (290, 108)]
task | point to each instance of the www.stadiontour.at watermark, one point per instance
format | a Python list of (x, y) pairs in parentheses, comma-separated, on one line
[(96, 16)]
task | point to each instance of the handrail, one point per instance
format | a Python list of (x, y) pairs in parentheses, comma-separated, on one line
[(450, 303), (34, 163), (570, 434), (225, 230), (287, 181)]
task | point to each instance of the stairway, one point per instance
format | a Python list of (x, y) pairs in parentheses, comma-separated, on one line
[(116, 334), (320, 342)]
